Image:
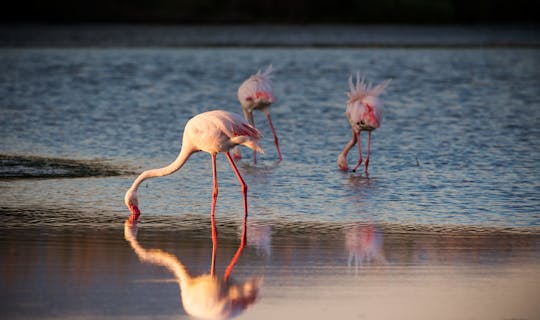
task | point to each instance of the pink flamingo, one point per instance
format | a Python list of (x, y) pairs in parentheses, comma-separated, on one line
[(364, 112), (214, 132), (256, 94)]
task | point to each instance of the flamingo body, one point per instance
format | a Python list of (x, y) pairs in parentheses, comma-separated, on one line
[(256, 93), (218, 131), (364, 113), (213, 132)]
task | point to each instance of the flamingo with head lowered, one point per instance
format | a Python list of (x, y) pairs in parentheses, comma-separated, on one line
[(256, 94), (214, 132), (364, 112)]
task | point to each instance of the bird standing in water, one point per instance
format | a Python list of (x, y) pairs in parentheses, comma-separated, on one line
[(214, 132), (364, 112), (256, 94)]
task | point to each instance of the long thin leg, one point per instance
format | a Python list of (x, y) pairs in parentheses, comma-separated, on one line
[(342, 159), (234, 260), (212, 214), (274, 133), (359, 153), (368, 147), (242, 183)]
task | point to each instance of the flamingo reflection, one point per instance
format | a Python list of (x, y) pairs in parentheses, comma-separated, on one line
[(365, 245), (260, 237), (205, 296)]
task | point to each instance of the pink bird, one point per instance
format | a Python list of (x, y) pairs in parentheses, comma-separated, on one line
[(364, 112), (256, 94), (214, 132)]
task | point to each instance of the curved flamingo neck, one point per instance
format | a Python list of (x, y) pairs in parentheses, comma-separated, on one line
[(183, 156)]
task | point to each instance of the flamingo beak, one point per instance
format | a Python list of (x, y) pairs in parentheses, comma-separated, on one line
[(135, 213)]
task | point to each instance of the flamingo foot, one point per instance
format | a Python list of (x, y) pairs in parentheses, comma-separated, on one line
[(367, 163), (135, 213), (357, 165)]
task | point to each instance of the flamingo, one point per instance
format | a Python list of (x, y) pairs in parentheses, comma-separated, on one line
[(364, 112), (214, 132), (256, 94), (206, 296)]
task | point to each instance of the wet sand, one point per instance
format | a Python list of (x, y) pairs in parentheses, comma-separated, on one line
[(345, 271)]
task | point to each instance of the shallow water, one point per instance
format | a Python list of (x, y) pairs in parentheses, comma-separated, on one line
[(446, 225), (457, 144), (350, 271)]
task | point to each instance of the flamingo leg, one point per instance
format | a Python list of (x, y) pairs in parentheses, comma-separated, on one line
[(234, 260), (214, 229), (359, 153), (275, 135), (342, 159), (249, 116), (242, 183), (368, 147)]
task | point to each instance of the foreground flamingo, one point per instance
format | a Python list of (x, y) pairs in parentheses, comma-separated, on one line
[(205, 296), (213, 132), (256, 94), (364, 112)]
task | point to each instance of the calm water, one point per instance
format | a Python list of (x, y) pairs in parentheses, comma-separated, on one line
[(354, 271), (446, 226), (458, 144)]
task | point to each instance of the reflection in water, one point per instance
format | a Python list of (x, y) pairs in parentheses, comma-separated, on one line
[(51, 270), (260, 237), (365, 245), (206, 296)]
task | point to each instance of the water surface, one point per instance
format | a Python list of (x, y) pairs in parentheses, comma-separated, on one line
[(457, 144), (445, 226), (351, 271)]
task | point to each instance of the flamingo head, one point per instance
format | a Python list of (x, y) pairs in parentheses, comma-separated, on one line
[(131, 201)]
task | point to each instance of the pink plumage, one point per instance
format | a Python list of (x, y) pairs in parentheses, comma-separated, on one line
[(256, 93), (213, 132), (364, 113)]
